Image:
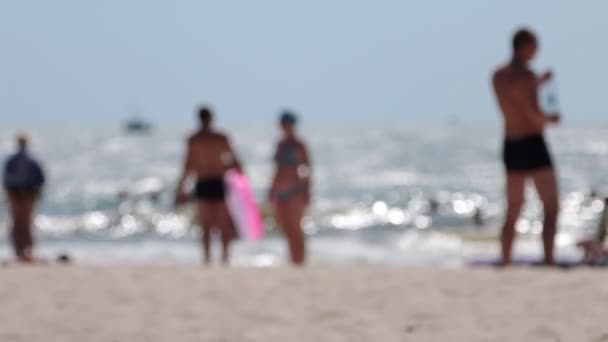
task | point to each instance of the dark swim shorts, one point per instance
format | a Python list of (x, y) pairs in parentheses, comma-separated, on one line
[(211, 189), (526, 154)]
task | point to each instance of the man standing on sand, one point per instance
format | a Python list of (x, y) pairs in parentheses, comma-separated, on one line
[(525, 153), (209, 155), (23, 181)]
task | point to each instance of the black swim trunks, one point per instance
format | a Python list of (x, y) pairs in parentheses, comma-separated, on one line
[(526, 154), (211, 189)]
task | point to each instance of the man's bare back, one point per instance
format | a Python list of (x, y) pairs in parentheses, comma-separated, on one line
[(209, 154), (516, 92)]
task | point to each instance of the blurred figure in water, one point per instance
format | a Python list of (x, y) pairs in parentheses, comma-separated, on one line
[(209, 155), (525, 153), (23, 181), (478, 216), (290, 189), (594, 249)]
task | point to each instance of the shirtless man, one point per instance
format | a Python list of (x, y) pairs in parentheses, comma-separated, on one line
[(209, 155), (23, 181), (525, 153)]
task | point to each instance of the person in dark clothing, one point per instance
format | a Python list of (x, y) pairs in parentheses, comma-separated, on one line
[(23, 181)]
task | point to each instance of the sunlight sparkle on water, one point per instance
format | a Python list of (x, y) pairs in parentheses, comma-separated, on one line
[(380, 208)]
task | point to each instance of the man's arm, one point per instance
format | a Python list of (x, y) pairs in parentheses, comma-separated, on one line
[(543, 78), (187, 169), (234, 160), (538, 116), (5, 174), (38, 171), (40, 176)]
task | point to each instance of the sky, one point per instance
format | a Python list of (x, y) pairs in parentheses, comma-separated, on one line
[(99, 62)]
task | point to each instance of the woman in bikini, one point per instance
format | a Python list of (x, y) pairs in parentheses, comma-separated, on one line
[(290, 190)]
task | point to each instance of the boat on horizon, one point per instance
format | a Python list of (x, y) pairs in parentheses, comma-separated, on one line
[(137, 125)]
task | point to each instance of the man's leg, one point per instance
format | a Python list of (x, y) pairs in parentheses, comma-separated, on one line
[(206, 217), (28, 240), (515, 186), (224, 224), (21, 234), (546, 185)]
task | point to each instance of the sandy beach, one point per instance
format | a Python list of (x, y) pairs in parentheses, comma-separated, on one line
[(187, 303)]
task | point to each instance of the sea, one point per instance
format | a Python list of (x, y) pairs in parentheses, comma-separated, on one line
[(384, 194)]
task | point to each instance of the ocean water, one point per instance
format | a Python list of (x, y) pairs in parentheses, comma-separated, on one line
[(421, 194)]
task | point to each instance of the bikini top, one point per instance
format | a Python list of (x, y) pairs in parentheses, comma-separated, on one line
[(288, 155)]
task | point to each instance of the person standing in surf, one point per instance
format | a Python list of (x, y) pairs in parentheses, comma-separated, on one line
[(209, 155), (290, 190), (525, 153), (23, 182)]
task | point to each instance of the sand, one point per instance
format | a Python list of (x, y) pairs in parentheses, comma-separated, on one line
[(189, 303)]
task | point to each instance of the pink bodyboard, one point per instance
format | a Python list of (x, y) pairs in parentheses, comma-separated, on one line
[(243, 207)]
